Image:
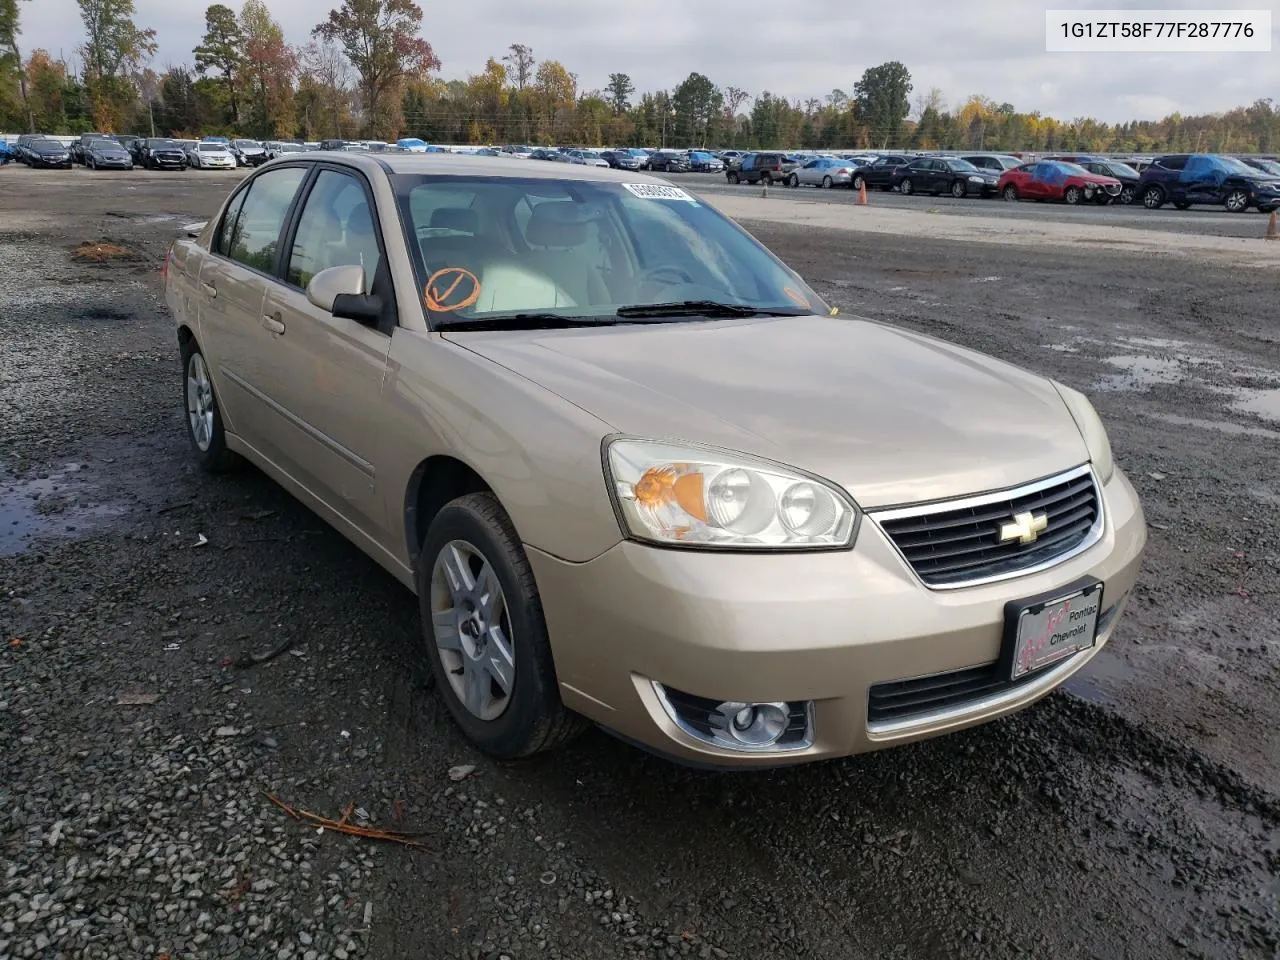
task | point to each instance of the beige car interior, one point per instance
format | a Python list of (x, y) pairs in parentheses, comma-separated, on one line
[(562, 267)]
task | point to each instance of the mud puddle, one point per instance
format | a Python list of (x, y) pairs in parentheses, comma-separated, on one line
[(59, 504), (1101, 680)]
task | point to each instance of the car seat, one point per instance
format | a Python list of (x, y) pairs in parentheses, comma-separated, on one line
[(558, 233)]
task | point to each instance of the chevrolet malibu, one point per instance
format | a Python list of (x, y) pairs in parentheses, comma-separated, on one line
[(636, 471)]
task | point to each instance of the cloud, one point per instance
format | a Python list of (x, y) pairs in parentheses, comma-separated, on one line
[(989, 47)]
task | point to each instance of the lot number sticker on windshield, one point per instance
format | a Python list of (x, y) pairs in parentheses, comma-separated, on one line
[(656, 191)]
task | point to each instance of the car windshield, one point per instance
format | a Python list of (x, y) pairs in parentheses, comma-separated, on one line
[(154, 144), (1232, 165), (212, 148), (1121, 169), (1069, 169), (962, 166), (248, 143), (1268, 166), (104, 145), (506, 247), (289, 148), (47, 144)]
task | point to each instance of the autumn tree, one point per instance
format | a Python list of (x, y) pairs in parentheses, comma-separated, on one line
[(520, 64), (46, 82), (221, 52), (114, 46), (380, 39), (618, 93), (322, 106), (883, 100), (11, 64), (270, 66), (556, 91)]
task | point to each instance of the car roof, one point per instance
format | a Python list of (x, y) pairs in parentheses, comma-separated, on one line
[(461, 164)]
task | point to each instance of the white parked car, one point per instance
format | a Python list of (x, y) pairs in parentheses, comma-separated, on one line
[(211, 156)]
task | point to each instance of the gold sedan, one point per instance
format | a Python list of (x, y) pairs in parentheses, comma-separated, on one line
[(634, 468)]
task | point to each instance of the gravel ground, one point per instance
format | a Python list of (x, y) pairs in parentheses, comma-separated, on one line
[(1133, 816)]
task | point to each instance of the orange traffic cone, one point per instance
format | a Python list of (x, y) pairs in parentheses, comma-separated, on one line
[(1272, 234), (862, 194)]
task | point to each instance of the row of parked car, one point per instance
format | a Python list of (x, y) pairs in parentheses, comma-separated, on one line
[(99, 151), (1235, 183)]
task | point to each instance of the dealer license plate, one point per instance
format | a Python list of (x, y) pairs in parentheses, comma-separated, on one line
[(1049, 631)]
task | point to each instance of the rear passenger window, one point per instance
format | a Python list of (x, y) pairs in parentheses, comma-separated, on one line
[(336, 229), (227, 229), (256, 232)]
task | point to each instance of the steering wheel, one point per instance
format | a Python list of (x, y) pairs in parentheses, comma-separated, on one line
[(665, 273)]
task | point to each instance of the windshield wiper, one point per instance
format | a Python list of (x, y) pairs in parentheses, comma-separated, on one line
[(706, 308), (524, 321)]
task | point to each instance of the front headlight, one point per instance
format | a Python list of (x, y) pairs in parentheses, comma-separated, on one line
[(1091, 429), (975, 180), (681, 494)]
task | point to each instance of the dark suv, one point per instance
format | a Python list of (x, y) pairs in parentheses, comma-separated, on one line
[(1183, 179), (762, 168)]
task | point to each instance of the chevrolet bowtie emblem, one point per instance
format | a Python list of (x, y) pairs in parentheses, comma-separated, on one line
[(1025, 528)]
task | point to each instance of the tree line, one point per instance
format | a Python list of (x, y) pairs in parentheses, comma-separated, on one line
[(367, 72)]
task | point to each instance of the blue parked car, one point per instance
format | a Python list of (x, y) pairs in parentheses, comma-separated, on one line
[(1183, 179), (6, 152)]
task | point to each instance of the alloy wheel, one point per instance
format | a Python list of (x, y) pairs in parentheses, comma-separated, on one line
[(200, 407), (472, 629)]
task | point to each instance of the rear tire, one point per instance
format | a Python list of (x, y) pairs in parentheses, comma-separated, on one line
[(533, 718), (1010, 193), (793, 180), (906, 187), (732, 176), (204, 415), (1153, 198), (826, 183)]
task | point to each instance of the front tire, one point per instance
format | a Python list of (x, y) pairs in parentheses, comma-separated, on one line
[(485, 632), (1237, 201), (958, 189), (1126, 195), (732, 177), (1010, 193), (857, 181), (793, 181), (906, 187), (204, 416), (1153, 198)]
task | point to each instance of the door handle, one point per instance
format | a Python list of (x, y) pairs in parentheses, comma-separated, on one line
[(273, 324), (209, 289)]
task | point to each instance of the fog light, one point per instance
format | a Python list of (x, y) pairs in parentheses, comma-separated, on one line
[(751, 724)]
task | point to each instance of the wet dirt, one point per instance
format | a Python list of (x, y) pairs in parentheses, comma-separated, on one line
[(52, 505), (1134, 814)]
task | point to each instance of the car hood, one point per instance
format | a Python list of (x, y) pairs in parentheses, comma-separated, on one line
[(895, 417)]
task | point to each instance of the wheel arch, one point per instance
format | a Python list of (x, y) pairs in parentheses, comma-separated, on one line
[(435, 482)]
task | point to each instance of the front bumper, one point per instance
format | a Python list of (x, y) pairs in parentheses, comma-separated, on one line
[(63, 163), (168, 161), (820, 627)]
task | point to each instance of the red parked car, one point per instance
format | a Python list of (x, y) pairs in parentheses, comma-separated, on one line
[(1057, 180)]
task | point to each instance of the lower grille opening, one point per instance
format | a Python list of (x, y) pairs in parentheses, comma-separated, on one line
[(906, 699)]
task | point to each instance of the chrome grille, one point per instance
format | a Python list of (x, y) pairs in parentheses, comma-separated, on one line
[(957, 543)]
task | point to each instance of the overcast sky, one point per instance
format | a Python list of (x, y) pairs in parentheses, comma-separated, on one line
[(800, 48)]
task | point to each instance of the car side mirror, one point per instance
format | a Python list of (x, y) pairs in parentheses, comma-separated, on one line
[(340, 291)]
